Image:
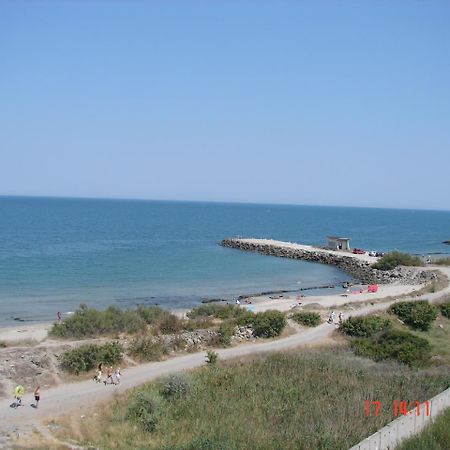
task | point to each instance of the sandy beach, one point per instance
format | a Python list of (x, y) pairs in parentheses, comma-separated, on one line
[(287, 302)]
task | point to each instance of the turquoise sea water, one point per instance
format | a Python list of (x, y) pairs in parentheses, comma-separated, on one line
[(56, 253)]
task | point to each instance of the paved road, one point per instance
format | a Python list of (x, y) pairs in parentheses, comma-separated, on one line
[(75, 397)]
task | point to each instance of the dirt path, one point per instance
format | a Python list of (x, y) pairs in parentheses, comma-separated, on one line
[(75, 398)]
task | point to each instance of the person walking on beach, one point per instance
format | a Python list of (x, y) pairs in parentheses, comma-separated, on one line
[(332, 317), (37, 396), (58, 315), (98, 377), (109, 377), (341, 318), (117, 375), (18, 394)]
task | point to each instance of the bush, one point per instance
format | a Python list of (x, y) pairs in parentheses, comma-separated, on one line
[(148, 348), (212, 357), (151, 314), (175, 387), (401, 346), (418, 315), (200, 323), (363, 326), (226, 332), (394, 259), (86, 357), (87, 322), (144, 410), (169, 324), (445, 309), (269, 324), (442, 261), (218, 311), (310, 319)]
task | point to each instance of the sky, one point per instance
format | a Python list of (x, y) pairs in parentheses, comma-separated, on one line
[(302, 102)]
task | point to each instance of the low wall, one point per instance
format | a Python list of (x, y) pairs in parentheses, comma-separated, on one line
[(406, 426), (357, 268)]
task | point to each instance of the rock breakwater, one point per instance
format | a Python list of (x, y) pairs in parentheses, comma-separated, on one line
[(357, 267)]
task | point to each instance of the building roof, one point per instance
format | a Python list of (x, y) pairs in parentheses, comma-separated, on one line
[(337, 238)]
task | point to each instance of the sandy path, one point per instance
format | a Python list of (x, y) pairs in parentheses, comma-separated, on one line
[(75, 397)]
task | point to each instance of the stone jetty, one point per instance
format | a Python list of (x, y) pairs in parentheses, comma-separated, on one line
[(357, 266)]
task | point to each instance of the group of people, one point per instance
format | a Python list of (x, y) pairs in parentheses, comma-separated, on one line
[(332, 317), (19, 392), (111, 378)]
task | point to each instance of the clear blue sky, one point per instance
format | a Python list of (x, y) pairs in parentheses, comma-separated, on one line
[(308, 102)]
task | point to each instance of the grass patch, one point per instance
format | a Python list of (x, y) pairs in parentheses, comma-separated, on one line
[(419, 315), (400, 346), (90, 322), (395, 259), (364, 326), (435, 437), (309, 400), (445, 309), (269, 324), (309, 319), (86, 357), (147, 348), (442, 262)]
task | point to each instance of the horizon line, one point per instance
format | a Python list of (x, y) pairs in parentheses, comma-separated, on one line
[(223, 202)]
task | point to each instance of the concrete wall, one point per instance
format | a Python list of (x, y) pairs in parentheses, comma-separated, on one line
[(405, 426)]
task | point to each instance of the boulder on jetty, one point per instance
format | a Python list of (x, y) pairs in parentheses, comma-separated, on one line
[(359, 269)]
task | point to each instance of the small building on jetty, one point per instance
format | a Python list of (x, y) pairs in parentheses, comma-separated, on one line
[(338, 243)]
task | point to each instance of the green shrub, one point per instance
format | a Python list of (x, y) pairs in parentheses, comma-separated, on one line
[(401, 346), (442, 261), (169, 324), (86, 357), (310, 319), (212, 357), (363, 326), (445, 309), (200, 323), (150, 314), (394, 259), (226, 332), (144, 410), (175, 387), (269, 324), (219, 311), (147, 348), (418, 315), (90, 322)]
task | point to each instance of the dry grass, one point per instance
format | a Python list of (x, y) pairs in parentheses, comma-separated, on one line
[(312, 399)]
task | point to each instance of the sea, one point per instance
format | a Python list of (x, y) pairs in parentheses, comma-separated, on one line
[(56, 253)]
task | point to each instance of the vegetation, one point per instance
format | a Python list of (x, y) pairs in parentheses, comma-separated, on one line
[(401, 346), (89, 322), (445, 309), (310, 319), (212, 357), (364, 326), (175, 387), (309, 400), (148, 348), (234, 313), (87, 357), (394, 259), (419, 315), (442, 261), (435, 437), (269, 324), (226, 331)]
